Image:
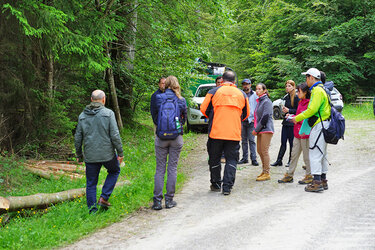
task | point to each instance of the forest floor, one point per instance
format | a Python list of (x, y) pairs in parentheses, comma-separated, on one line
[(262, 215)]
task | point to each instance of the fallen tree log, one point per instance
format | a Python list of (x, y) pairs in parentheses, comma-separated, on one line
[(14, 203), (48, 174)]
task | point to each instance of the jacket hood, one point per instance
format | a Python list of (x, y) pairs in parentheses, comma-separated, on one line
[(93, 108)]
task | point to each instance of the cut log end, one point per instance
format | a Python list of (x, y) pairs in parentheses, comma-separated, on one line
[(4, 203)]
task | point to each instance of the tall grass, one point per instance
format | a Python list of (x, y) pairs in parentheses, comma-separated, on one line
[(66, 222), (359, 112)]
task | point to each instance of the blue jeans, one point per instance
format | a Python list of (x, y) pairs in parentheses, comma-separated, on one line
[(92, 174), (248, 139)]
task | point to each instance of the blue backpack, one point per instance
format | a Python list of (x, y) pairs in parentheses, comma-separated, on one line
[(336, 128), (168, 126)]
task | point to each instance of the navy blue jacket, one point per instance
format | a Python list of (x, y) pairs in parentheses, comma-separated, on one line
[(153, 102), (170, 94)]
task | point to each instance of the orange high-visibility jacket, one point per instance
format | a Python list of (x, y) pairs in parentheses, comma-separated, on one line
[(225, 106)]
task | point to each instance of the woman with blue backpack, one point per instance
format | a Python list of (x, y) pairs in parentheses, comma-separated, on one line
[(169, 116)]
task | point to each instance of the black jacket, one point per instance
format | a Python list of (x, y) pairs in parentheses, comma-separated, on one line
[(292, 109)]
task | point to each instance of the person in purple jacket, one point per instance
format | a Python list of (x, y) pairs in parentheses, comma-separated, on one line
[(263, 123)]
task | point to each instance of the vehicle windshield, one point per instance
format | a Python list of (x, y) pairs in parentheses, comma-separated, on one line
[(202, 91)]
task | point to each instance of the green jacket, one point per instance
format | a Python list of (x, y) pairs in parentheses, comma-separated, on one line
[(97, 130), (318, 102)]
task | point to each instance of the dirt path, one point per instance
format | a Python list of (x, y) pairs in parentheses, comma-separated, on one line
[(264, 215)]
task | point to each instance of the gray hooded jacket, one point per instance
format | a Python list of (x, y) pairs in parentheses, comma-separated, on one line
[(97, 130)]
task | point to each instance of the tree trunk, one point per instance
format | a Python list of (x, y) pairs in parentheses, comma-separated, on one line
[(50, 76), (13, 203), (111, 82)]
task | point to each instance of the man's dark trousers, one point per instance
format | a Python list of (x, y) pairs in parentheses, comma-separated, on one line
[(215, 147), (92, 174), (247, 138)]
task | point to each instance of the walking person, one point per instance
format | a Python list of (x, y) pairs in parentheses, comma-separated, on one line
[(97, 131), (300, 142), (247, 127), (264, 129), (169, 116), (319, 106), (225, 106), (290, 107)]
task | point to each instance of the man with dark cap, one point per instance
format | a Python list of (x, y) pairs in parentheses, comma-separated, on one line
[(248, 139), (225, 106)]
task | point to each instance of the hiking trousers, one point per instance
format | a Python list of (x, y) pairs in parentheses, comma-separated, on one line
[(215, 147), (263, 147), (164, 148), (248, 139), (318, 150), (92, 175), (299, 146)]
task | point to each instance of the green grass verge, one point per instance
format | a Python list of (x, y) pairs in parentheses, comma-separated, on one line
[(358, 112), (67, 222)]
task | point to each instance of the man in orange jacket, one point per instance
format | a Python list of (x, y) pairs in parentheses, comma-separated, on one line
[(225, 106)]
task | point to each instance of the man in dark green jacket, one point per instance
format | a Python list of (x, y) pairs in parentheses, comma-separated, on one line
[(98, 132)]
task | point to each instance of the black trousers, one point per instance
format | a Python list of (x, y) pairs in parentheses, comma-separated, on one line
[(287, 134), (215, 147)]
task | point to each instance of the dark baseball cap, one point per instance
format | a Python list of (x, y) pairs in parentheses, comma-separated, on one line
[(246, 81)]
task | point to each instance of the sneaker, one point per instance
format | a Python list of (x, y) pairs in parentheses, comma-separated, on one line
[(170, 203), (254, 163), (325, 184), (277, 163), (286, 179), (215, 187), (315, 186), (243, 161), (307, 180), (157, 205), (264, 177)]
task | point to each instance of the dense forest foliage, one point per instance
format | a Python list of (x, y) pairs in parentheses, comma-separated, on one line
[(53, 53)]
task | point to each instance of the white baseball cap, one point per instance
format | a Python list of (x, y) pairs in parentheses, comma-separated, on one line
[(312, 72)]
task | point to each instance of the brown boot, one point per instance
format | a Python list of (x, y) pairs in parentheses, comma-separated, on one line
[(103, 203), (264, 177), (315, 186), (307, 180), (325, 184), (260, 175), (286, 179)]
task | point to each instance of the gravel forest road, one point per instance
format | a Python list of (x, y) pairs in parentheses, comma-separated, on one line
[(262, 215)]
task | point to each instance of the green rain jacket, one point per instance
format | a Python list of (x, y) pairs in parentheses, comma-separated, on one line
[(318, 102), (97, 130)]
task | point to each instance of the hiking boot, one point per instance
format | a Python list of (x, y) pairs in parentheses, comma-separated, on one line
[(254, 163), (260, 175), (277, 163), (170, 203), (315, 186), (157, 205), (243, 161), (226, 191), (286, 179), (104, 203), (307, 180), (215, 187), (325, 184), (264, 177)]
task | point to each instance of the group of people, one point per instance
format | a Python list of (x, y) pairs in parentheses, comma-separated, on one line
[(234, 115)]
